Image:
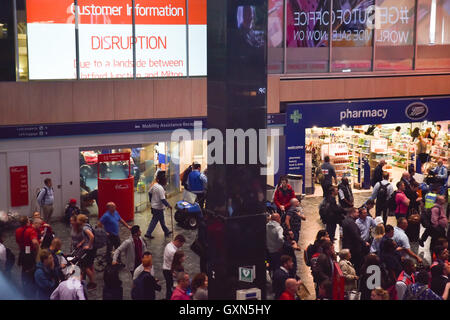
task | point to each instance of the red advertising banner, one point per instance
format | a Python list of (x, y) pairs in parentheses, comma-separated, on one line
[(19, 186), (121, 192), (124, 156)]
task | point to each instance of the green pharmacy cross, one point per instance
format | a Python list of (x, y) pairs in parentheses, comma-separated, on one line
[(296, 116)]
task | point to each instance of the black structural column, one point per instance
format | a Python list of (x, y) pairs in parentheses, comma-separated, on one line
[(237, 82)]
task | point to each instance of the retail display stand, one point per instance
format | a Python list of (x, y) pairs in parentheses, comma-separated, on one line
[(119, 191)]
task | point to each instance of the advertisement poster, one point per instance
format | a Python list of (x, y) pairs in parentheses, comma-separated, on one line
[(19, 186), (106, 40)]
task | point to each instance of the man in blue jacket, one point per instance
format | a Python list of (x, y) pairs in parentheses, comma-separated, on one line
[(197, 183), (45, 276)]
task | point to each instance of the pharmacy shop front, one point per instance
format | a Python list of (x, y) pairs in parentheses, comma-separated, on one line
[(358, 134)]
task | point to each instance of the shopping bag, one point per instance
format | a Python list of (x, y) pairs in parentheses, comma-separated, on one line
[(189, 197), (303, 292), (197, 247)]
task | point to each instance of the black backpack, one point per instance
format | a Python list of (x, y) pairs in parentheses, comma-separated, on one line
[(47, 240), (392, 204), (10, 259), (185, 176), (324, 211), (425, 218), (38, 192), (382, 195)]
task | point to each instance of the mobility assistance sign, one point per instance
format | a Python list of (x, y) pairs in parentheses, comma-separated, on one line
[(351, 113)]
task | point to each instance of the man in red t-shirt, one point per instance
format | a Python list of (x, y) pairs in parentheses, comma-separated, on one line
[(291, 286), (283, 196), (27, 240)]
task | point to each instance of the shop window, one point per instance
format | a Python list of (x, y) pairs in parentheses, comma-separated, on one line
[(433, 34), (352, 36), (307, 36), (394, 35), (275, 25)]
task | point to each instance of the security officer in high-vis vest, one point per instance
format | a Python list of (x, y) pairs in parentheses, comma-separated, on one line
[(430, 201), (430, 198)]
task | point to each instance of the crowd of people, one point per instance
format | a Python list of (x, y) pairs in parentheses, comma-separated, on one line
[(49, 273), (367, 241), (376, 260)]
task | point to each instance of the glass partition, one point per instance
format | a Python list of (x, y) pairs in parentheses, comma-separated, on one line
[(433, 34), (352, 35), (307, 36)]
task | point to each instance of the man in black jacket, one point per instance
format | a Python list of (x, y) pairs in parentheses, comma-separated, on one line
[(334, 213), (345, 193), (282, 274), (323, 268), (145, 285), (352, 240), (378, 173)]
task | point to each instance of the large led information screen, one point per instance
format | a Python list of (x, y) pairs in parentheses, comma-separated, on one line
[(169, 38)]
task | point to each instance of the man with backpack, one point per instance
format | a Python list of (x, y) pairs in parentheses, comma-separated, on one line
[(45, 200), (87, 263), (329, 173), (331, 213), (382, 192), (71, 210), (185, 175)]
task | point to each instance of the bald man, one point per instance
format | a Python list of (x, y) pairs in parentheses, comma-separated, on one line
[(291, 287), (110, 221), (274, 241), (378, 172), (294, 217)]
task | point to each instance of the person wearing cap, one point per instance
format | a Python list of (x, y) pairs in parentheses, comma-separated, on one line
[(197, 183), (71, 210), (132, 248)]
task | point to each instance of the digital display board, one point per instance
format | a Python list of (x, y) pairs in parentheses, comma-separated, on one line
[(169, 38)]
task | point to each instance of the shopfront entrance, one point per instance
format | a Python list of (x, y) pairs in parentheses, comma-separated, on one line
[(358, 134), (146, 159)]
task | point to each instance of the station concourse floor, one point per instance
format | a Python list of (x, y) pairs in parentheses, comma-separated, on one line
[(156, 246)]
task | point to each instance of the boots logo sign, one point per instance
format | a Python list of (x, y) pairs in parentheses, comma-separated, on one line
[(121, 187), (416, 111)]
